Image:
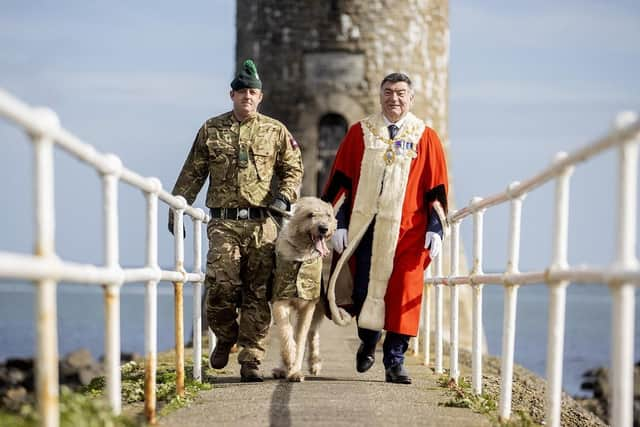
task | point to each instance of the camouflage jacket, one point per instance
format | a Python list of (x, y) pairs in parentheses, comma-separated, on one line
[(300, 279), (240, 159)]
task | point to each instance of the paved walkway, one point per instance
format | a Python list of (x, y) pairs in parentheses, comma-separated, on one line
[(339, 396)]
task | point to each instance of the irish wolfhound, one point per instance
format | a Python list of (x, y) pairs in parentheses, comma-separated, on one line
[(300, 248)]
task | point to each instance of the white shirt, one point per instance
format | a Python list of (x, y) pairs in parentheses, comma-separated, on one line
[(399, 123)]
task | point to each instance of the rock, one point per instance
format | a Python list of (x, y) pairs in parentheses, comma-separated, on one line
[(78, 368), (14, 398), (16, 376), (22, 364), (17, 372), (128, 357), (597, 381), (4, 379), (80, 358), (85, 375), (125, 357)]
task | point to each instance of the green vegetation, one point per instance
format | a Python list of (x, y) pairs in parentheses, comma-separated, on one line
[(76, 409), (462, 396), (88, 408), (133, 386)]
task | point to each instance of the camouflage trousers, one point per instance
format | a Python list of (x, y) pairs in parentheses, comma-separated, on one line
[(239, 268)]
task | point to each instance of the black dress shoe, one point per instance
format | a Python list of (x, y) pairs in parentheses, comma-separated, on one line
[(397, 374), (365, 358)]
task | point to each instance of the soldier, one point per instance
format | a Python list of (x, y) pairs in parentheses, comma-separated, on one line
[(241, 151)]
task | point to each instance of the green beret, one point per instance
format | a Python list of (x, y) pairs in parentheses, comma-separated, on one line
[(247, 77)]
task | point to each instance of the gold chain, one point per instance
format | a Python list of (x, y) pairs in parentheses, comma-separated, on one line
[(389, 155)]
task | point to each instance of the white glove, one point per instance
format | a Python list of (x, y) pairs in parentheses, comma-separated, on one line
[(433, 242), (339, 240)]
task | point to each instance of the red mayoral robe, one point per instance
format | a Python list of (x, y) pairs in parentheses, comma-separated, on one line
[(376, 176)]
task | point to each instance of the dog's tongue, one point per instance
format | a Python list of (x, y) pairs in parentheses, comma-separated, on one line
[(321, 246)]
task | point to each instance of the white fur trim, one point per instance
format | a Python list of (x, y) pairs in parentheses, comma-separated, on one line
[(372, 314)]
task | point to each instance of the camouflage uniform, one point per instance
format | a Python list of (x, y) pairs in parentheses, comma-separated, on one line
[(297, 279), (240, 159)]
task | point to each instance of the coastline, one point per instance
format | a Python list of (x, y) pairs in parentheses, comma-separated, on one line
[(529, 393), (528, 400)]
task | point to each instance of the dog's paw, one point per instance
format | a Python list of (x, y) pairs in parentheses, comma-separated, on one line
[(296, 377), (315, 368), (279, 373)]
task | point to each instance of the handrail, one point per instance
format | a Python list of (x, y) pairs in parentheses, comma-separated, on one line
[(46, 269), (622, 277)]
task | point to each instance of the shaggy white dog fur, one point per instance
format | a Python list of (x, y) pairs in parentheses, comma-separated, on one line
[(302, 239)]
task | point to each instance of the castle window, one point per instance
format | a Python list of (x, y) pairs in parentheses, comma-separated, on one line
[(331, 129)]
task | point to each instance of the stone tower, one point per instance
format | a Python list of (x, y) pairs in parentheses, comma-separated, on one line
[(321, 63)]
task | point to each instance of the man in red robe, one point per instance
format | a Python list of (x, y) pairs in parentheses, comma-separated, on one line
[(389, 183)]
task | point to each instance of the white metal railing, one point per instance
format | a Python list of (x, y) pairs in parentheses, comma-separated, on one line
[(46, 269), (622, 277)]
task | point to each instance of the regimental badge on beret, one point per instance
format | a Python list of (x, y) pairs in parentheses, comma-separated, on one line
[(294, 143)]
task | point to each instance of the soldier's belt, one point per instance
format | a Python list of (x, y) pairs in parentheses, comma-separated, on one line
[(238, 213)]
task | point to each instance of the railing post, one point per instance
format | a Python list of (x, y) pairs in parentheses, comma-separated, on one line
[(197, 292), (476, 339), (112, 290), (453, 289), (426, 316), (510, 303), (439, 312), (623, 310), (557, 297), (151, 305), (414, 342), (178, 217), (46, 309)]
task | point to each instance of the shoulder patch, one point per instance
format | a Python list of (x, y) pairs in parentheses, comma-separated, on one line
[(293, 142)]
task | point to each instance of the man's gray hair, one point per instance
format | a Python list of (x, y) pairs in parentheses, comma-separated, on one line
[(397, 77)]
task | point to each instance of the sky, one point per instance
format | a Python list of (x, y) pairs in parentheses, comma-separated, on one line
[(527, 79)]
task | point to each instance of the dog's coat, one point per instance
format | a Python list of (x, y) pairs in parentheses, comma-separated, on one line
[(299, 251)]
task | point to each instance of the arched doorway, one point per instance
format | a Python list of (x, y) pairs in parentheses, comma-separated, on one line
[(331, 129)]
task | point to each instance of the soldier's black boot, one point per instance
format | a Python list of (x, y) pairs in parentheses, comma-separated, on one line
[(220, 356), (250, 372)]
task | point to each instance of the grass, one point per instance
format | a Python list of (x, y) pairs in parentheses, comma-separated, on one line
[(88, 407), (166, 397), (76, 409), (462, 396)]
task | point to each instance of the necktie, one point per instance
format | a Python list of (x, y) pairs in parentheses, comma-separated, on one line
[(393, 131)]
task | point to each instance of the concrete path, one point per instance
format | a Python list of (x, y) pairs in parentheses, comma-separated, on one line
[(339, 396)]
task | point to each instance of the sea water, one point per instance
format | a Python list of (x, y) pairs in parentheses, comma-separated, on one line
[(588, 337), (81, 323), (81, 318)]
